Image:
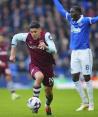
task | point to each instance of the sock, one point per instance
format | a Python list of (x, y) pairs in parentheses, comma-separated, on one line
[(49, 99), (10, 86), (90, 92), (81, 92), (36, 91)]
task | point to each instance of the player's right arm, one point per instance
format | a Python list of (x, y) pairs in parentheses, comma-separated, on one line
[(15, 39), (61, 9)]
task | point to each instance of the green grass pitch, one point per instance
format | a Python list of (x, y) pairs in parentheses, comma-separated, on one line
[(64, 104)]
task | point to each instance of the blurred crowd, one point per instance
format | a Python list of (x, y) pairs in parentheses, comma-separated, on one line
[(16, 15)]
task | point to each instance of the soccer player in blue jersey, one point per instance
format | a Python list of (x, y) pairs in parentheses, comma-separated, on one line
[(81, 56)]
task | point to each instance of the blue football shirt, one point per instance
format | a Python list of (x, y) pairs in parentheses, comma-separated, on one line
[(80, 29)]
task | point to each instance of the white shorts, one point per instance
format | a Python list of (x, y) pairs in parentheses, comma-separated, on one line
[(81, 61)]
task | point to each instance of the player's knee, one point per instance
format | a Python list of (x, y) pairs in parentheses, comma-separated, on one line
[(39, 76), (87, 78), (8, 77), (75, 77), (7, 72)]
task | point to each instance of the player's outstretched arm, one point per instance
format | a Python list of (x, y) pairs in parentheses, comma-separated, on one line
[(60, 8), (90, 20), (16, 38), (93, 20)]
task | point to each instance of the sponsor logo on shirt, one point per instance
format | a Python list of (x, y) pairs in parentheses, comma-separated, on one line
[(75, 30)]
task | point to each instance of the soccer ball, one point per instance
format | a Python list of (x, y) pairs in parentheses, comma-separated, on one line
[(34, 103)]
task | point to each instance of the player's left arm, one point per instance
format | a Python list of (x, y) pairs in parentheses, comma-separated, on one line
[(51, 48), (92, 20)]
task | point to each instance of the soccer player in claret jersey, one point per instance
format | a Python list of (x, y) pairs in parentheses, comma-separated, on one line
[(4, 68), (81, 56), (41, 48)]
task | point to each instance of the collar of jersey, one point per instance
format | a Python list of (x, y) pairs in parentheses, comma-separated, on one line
[(79, 20)]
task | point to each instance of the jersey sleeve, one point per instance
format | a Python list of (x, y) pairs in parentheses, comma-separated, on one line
[(50, 42), (94, 20), (61, 10), (91, 20), (18, 37)]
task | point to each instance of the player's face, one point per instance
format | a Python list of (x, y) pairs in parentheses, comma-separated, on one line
[(35, 32), (74, 14)]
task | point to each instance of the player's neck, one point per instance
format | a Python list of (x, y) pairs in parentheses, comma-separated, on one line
[(77, 18), (35, 38)]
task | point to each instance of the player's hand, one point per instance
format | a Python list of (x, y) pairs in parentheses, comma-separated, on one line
[(2, 64), (42, 46), (12, 58)]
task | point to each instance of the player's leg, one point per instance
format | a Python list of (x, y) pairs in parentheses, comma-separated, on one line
[(48, 82), (49, 98), (38, 78), (81, 92), (37, 83), (75, 71), (10, 84), (89, 88), (37, 86), (87, 71)]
